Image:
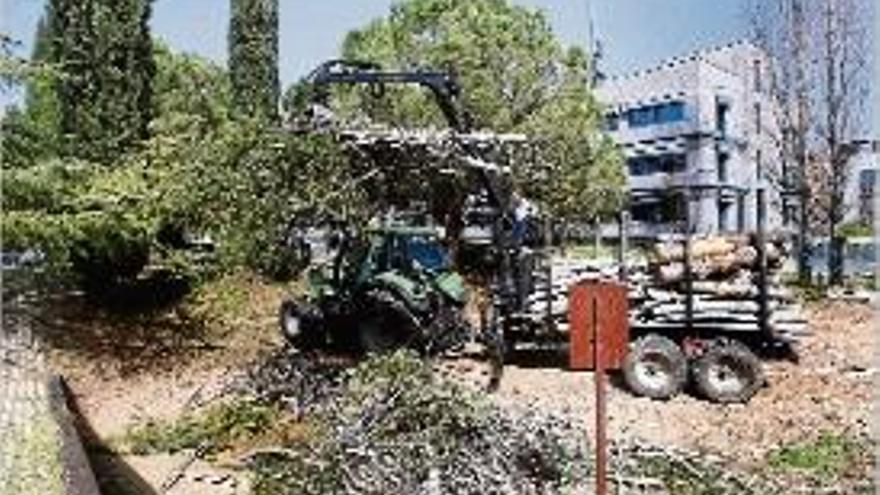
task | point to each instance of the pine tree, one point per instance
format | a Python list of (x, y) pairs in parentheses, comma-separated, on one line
[(104, 50), (253, 57)]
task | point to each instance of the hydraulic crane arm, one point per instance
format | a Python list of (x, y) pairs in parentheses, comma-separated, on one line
[(446, 91), (444, 87)]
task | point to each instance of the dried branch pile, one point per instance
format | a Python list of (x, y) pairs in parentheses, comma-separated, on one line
[(392, 427)]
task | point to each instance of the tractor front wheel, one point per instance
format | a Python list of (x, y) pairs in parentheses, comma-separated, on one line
[(300, 324), (655, 367), (385, 324)]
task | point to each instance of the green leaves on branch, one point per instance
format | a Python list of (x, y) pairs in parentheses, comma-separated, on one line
[(516, 77)]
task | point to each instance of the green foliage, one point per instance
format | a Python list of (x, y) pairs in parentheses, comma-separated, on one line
[(584, 176), (505, 56), (829, 455), (515, 76), (31, 134), (213, 429), (253, 57), (690, 477), (242, 184), (202, 173), (855, 229), (191, 94), (105, 96)]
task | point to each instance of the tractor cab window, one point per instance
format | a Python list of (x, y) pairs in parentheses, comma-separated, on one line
[(428, 253)]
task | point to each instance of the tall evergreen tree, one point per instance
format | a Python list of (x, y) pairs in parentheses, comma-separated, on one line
[(43, 112), (104, 49), (253, 57)]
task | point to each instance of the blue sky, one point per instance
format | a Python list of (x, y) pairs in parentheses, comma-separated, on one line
[(634, 32)]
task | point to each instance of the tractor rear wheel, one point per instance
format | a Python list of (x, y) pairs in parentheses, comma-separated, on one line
[(385, 323), (655, 367), (728, 372)]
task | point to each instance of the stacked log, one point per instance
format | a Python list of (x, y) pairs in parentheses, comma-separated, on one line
[(725, 281)]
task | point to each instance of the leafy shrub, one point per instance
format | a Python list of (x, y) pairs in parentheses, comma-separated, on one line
[(212, 430), (828, 455)]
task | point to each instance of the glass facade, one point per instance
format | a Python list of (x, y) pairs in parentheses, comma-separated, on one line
[(663, 113)]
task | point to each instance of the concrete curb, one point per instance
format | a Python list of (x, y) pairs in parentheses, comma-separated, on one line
[(79, 479)]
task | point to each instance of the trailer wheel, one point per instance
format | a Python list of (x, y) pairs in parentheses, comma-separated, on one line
[(655, 367), (728, 372)]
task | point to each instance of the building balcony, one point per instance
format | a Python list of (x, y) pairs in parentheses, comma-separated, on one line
[(684, 128)]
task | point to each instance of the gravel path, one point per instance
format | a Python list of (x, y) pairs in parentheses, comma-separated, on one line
[(30, 442)]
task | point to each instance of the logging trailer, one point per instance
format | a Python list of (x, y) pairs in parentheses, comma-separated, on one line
[(658, 359)]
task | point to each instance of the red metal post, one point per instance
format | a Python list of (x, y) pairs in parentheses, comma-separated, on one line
[(601, 412)]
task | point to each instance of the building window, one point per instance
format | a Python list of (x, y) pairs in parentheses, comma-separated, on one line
[(759, 164), (723, 159), (664, 113), (662, 209), (867, 181), (741, 213), (757, 76), (612, 122), (722, 110), (757, 117), (640, 117), (670, 112), (723, 212), (648, 165)]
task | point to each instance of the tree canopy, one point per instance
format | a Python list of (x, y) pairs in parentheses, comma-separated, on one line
[(253, 57), (104, 49), (516, 77)]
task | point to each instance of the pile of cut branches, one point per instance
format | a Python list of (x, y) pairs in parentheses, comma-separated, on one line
[(393, 427)]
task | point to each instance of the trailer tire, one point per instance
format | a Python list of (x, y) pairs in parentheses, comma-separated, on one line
[(728, 372), (655, 367)]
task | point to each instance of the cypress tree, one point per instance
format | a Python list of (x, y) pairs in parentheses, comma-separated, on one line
[(105, 95), (253, 57), (42, 107)]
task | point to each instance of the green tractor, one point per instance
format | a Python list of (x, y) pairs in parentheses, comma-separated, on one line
[(378, 290)]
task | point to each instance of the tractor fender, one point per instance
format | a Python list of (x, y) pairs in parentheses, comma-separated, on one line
[(452, 285)]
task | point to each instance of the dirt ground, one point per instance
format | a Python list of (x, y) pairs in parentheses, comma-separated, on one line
[(830, 391)]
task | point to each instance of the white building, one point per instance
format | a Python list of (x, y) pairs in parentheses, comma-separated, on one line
[(699, 125), (862, 182)]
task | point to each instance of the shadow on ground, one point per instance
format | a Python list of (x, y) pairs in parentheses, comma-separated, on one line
[(113, 474)]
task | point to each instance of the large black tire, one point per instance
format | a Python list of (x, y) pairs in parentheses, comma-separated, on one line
[(728, 372), (385, 324), (300, 324), (655, 367)]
